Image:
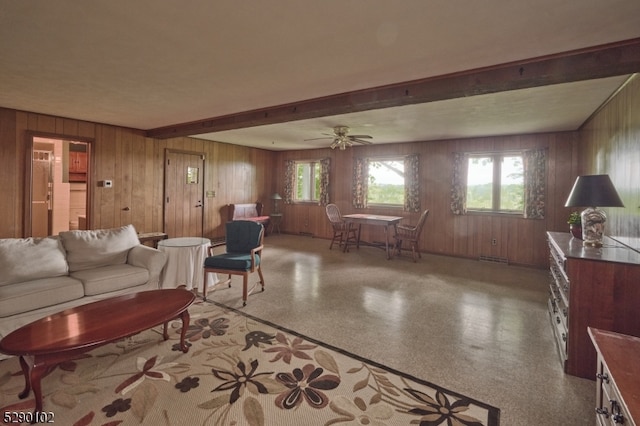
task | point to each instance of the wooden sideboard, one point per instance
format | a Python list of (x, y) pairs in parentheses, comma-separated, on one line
[(618, 374), (591, 287)]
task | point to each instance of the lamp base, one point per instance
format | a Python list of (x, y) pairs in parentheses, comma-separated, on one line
[(593, 221), (592, 243)]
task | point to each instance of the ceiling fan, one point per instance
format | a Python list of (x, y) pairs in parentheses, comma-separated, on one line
[(341, 138)]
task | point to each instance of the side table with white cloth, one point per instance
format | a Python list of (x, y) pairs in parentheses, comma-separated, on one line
[(185, 260)]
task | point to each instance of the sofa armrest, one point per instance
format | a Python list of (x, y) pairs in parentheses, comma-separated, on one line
[(149, 258)]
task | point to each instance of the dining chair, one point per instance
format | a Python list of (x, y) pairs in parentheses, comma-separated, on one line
[(410, 234), (343, 231), (244, 244)]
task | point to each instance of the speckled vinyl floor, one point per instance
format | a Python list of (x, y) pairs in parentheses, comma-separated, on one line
[(480, 329)]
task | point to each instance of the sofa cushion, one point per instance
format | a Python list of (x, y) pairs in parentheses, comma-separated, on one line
[(25, 259), (111, 278), (27, 296), (96, 248)]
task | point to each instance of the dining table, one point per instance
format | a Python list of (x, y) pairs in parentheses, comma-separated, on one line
[(387, 222)]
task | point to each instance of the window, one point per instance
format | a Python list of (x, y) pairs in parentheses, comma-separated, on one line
[(495, 182), (386, 182), (307, 181)]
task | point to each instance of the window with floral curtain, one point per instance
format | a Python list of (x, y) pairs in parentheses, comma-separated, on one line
[(459, 183), (412, 183), (405, 169), (325, 170), (535, 183), (360, 179), (307, 181), (533, 178), (289, 181)]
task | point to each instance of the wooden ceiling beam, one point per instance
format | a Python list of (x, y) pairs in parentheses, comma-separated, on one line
[(608, 60)]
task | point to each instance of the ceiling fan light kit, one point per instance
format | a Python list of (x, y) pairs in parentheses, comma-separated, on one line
[(342, 139)]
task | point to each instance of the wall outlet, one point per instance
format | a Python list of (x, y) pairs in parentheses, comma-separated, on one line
[(494, 242), (211, 194)]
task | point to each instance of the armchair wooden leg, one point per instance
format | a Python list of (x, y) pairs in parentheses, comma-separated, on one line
[(261, 278), (245, 282), (204, 287), (398, 247)]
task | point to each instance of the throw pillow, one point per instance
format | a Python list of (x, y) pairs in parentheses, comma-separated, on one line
[(26, 259), (99, 247)]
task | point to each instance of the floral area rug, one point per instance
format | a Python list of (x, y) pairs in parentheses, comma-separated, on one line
[(239, 370)]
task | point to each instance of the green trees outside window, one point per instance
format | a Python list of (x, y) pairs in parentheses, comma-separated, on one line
[(495, 182), (386, 182), (307, 181)]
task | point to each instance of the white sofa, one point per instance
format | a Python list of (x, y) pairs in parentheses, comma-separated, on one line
[(41, 276)]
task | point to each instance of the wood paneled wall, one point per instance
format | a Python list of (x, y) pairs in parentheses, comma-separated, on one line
[(521, 241), (135, 164), (610, 144)]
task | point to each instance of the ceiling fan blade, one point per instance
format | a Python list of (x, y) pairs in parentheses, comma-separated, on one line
[(315, 139), (361, 141), (360, 137), (327, 136)]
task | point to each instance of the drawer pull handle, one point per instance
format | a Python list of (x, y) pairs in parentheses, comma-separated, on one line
[(616, 416), (603, 412), (603, 376)]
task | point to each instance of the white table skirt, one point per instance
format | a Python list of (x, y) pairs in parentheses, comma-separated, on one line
[(185, 263)]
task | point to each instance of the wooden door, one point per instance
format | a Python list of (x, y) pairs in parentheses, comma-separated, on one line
[(184, 194)]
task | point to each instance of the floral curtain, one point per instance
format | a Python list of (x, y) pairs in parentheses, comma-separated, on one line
[(360, 181), (535, 179), (289, 181), (412, 183), (325, 169), (459, 184)]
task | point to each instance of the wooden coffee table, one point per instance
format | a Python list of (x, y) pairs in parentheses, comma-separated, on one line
[(43, 344)]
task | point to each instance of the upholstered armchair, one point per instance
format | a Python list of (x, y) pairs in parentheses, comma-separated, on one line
[(244, 244), (410, 234)]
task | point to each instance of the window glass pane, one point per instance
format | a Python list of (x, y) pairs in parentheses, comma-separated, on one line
[(480, 183), (386, 182), (307, 181), (512, 183)]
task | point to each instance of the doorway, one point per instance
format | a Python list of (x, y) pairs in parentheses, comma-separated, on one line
[(57, 185), (184, 192)]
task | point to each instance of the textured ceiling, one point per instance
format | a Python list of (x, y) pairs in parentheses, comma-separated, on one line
[(154, 63)]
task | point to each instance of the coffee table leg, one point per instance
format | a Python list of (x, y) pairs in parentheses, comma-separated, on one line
[(39, 369), (165, 333), (32, 377), (185, 325), (27, 383)]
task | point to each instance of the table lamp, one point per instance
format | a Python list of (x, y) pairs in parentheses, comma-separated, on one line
[(591, 191), (275, 197)]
